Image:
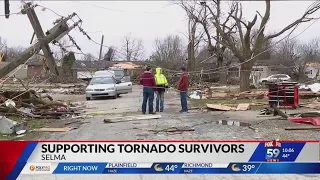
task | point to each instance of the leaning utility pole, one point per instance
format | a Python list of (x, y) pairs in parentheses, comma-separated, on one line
[(101, 45), (29, 10), (100, 54), (53, 33)]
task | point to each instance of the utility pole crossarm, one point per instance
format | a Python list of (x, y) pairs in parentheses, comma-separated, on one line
[(28, 53)]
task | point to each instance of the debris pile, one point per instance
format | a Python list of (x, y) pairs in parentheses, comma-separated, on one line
[(34, 105), (8, 126), (219, 107), (309, 91), (80, 90), (211, 94), (315, 88)]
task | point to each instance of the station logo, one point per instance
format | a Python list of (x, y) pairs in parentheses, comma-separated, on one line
[(32, 168), (39, 168)]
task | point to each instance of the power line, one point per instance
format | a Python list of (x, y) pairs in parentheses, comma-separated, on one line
[(221, 69), (117, 10)]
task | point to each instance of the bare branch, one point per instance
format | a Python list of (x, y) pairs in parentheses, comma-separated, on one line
[(132, 49), (304, 18)]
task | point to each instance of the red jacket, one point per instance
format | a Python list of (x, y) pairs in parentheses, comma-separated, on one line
[(147, 80), (183, 82)]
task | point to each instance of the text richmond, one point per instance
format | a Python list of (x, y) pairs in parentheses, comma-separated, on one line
[(142, 148)]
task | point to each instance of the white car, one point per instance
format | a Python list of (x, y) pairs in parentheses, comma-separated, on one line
[(275, 78), (107, 86), (115, 72)]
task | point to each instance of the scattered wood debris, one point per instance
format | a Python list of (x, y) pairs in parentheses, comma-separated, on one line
[(211, 93), (314, 105), (243, 107), (208, 94), (219, 107), (65, 129), (302, 128), (34, 105), (78, 121), (308, 94)]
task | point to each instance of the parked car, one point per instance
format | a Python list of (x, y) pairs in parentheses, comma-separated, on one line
[(117, 73), (107, 86), (275, 78)]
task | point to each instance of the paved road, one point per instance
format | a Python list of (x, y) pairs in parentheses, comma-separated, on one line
[(206, 128)]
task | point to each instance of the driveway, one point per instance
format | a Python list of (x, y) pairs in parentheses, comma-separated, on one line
[(204, 124)]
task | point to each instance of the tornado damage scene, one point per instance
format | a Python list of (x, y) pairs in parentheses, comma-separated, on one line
[(159, 90)]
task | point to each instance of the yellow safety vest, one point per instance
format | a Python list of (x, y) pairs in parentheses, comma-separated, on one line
[(161, 79)]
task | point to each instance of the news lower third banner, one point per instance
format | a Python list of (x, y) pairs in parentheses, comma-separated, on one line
[(167, 157)]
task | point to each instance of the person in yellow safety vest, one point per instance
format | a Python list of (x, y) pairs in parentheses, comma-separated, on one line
[(162, 83)]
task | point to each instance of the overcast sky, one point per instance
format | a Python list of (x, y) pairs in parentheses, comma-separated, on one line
[(147, 20)]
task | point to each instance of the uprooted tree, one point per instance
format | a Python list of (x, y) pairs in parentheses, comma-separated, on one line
[(245, 47)]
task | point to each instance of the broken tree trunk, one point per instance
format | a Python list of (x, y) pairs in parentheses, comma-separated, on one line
[(245, 72)]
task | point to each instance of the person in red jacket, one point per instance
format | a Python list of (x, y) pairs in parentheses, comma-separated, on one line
[(183, 88), (149, 87)]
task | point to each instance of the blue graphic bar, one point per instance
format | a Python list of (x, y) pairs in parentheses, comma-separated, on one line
[(177, 168), (284, 152)]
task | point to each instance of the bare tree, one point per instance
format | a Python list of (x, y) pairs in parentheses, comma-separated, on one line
[(3, 45), (168, 52), (309, 52), (13, 52), (286, 53), (246, 47), (198, 12), (295, 56), (131, 49), (61, 48)]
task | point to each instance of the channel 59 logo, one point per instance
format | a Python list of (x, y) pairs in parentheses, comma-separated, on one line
[(273, 151)]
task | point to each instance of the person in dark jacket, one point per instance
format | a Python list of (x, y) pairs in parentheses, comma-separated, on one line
[(149, 87), (183, 88)]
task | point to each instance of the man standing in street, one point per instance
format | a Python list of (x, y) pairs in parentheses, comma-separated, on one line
[(183, 88), (149, 87), (162, 83)]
